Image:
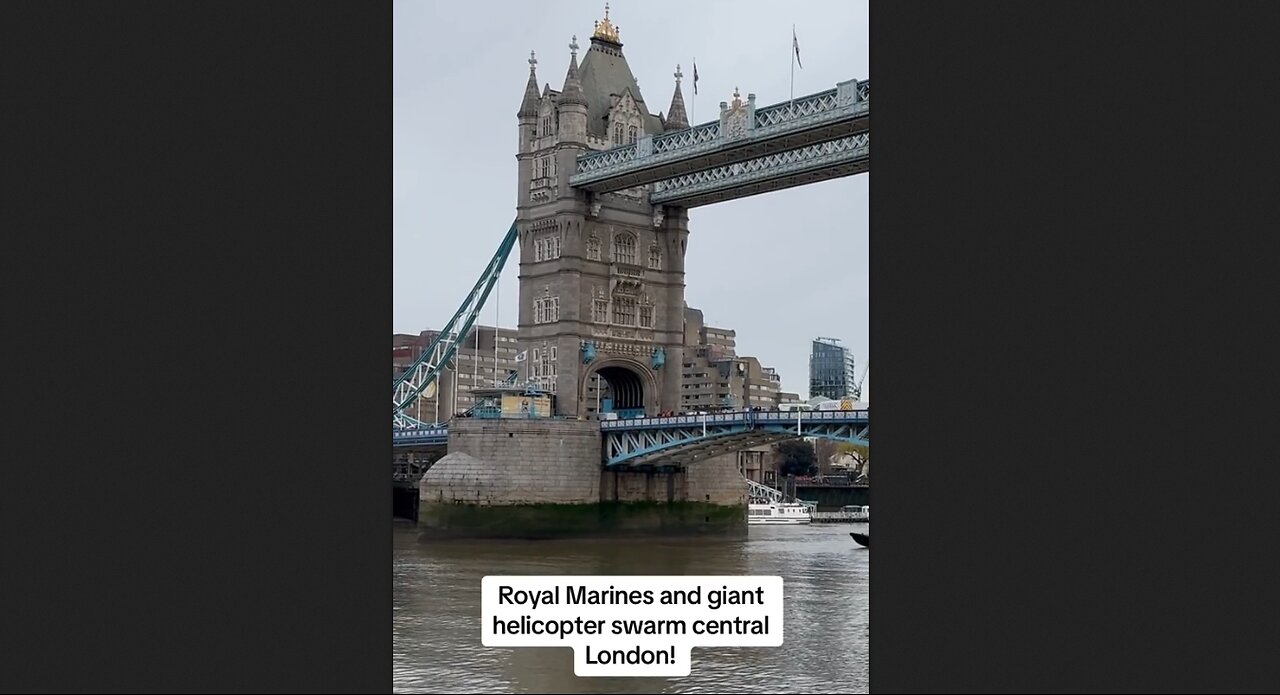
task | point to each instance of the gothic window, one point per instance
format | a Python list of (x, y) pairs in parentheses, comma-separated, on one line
[(544, 368), (617, 134), (624, 249), (600, 311), (655, 257), (546, 310), (624, 311), (646, 317), (546, 248), (545, 167), (631, 134), (593, 248), (546, 125)]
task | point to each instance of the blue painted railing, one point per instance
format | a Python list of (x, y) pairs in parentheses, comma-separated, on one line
[(421, 436), (740, 417)]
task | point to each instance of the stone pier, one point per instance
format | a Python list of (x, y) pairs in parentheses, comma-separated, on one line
[(544, 479)]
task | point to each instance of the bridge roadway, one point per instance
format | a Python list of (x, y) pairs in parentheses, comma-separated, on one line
[(747, 151), (682, 440)]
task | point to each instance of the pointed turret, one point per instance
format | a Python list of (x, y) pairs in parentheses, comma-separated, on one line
[(676, 118), (571, 105), (529, 107), (572, 92)]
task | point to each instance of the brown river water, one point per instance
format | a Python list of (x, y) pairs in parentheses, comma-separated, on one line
[(437, 609)]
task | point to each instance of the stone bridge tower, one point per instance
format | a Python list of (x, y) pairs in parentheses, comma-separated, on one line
[(601, 276)]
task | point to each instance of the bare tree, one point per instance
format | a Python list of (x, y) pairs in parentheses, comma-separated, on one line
[(827, 451)]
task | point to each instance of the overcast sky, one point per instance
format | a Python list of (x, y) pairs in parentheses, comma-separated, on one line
[(779, 268)]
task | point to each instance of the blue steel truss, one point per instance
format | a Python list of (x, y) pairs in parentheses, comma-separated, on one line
[(685, 439), (424, 371), (814, 118), (849, 154)]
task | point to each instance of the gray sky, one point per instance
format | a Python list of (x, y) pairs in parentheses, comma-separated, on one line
[(779, 268)]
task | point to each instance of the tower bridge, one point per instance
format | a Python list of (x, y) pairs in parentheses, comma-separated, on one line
[(602, 229)]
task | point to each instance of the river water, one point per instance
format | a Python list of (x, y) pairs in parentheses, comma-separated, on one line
[(825, 650)]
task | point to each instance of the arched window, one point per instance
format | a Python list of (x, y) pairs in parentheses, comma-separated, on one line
[(617, 134), (624, 311), (624, 249), (631, 134), (546, 310), (655, 257), (593, 248)]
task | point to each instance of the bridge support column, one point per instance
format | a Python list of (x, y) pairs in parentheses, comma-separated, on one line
[(544, 479)]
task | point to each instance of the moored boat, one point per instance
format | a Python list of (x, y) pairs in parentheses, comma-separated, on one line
[(776, 513)]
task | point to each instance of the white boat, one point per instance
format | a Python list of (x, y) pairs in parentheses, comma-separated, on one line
[(776, 513)]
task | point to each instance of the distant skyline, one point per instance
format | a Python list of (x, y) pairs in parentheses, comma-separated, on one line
[(780, 269)]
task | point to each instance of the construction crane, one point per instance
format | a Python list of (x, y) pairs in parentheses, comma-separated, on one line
[(857, 387)]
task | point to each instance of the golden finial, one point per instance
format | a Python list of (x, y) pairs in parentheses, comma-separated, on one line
[(605, 29)]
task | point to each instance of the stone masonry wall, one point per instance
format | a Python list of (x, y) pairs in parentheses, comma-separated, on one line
[(517, 462), (716, 480), (624, 485)]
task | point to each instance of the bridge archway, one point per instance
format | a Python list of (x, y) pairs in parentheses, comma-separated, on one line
[(624, 385)]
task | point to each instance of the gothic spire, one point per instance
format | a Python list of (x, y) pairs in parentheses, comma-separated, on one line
[(529, 107), (676, 117), (572, 92)]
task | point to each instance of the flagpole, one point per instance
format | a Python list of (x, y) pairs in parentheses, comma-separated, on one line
[(497, 318), (693, 117), (793, 63)]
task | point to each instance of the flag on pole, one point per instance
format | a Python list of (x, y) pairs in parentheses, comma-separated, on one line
[(795, 44), (521, 357), (695, 76)]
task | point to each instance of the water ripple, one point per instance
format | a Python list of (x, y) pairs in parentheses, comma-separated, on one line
[(436, 619)]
